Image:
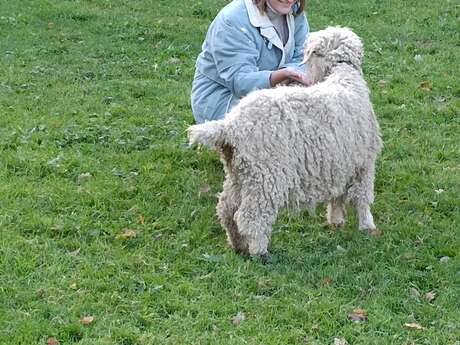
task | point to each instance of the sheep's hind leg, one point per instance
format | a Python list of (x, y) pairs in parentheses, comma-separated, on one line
[(255, 218), (229, 201), (336, 212)]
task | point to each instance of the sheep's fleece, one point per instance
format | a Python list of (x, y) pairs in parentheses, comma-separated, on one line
[(295, 145)]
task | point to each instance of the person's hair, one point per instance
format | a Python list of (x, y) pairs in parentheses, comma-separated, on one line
[(262, 6)]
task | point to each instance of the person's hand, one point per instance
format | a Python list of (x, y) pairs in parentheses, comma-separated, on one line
[(300, 77), (287, 75)]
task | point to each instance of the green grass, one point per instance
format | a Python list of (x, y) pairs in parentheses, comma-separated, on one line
[(102, 87)]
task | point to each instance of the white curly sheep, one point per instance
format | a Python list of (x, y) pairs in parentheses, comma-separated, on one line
[(296, 146)]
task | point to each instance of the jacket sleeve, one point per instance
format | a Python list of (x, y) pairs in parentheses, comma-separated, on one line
[(300, 35), (236, 55)]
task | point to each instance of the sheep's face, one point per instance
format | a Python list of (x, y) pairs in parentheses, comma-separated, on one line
[(325, 48)]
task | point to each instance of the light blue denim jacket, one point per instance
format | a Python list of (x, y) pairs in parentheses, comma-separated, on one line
[(240, 51)]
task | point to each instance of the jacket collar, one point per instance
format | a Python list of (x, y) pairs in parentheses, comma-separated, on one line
[(266, 27), (255, 17)]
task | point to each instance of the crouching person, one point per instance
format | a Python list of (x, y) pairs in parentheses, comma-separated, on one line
[(251, 44)]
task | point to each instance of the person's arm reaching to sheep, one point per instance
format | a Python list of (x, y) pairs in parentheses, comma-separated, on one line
[(244, 51), (237, 63), (235, 54)]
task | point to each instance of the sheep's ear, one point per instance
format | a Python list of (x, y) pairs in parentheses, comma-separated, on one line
[(306, 57), (308, 53)]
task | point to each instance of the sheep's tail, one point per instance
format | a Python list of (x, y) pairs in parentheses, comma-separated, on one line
[(210, 134)]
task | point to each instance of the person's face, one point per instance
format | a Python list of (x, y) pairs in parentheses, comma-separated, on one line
[(281, 6)]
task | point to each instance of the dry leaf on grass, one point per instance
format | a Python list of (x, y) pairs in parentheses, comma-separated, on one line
[(127, 234), (413, 325), (236, 320), (76, 252), (425, 85), (141, 219), (326, 281), (358, 315), (174, 60), (87, 320), (205, 188), (83, 177), (429, 296), (444, 259), (52, 341), (157, 237), (414, 292), (40, 292), (340, 341)]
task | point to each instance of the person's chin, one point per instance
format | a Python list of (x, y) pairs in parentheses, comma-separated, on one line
[(285, 10)]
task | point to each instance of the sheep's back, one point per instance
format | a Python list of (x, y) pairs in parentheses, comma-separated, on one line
[(311, 140)]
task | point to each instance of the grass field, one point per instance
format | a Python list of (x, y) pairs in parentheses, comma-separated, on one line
[(108, 233)]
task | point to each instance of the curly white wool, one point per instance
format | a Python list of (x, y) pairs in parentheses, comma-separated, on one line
[(298, 146)]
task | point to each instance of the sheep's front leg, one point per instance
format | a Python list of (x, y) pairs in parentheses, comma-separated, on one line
[(365, 218), (361, 195), (336, 212)]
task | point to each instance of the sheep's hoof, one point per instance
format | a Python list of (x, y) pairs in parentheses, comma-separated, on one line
[(336, 226), (372, 232), (332, 226), (262, 258)]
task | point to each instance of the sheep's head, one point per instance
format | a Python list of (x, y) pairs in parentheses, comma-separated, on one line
[(325, 48)]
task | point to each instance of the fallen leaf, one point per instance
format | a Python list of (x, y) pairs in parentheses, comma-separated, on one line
[(87, 320), (358, 315), (83, 177), (413, 325), (326, 281), (340, 249), (206, 276), (425, 85), (141, 219), (340, 341), (315, 328), (444, 259), (236, 320), (174, 60), (73, 286), (75, 252), (157, 237), (52, 341), (429, 296), (205, 188), (414, 292), (127, 234)]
